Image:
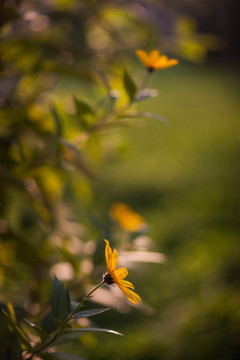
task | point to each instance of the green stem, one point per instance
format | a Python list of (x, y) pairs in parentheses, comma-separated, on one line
[(83, 300), (108, 118), (61, 330)]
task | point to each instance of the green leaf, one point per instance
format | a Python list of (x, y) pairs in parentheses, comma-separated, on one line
[(48, 324), (129, 85), (88, 313), (146, 94), (61, 356), (82, 330), (5, 333), (85, 113), (140, 114), (57, 120), (59, 300), (78, 159), (83, 107), (41, 333), (24, 342)]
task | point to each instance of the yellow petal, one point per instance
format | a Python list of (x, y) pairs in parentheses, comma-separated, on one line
[(108, 255), (143, 56), (172, 62), (161, 61), (164, 62), (130, 295), (114, 260), (154, 55), (127, 284), (119, 274)]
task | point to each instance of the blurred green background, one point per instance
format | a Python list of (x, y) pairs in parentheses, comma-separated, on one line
[(182, 176)]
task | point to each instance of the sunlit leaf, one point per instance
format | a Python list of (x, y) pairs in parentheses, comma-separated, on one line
[(5, 333), (88, 313), (59, 300), (129, 85), (24, 342)]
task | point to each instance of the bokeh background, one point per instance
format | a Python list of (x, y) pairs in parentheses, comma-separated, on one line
[(179, 179)]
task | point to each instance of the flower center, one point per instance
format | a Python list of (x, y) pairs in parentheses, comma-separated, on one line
[(150, 69), (108, 279)]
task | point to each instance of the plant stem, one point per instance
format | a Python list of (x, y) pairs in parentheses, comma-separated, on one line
[(83, 300), (61, 330)]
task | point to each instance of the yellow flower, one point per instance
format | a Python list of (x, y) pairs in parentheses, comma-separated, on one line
[(117, 276), (127, 218), (155, 61)]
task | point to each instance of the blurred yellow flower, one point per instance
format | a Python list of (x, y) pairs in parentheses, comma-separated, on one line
[(155, 61), (116, 276), (127, 218)]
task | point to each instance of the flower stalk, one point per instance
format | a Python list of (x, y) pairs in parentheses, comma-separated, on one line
[(60, 331)]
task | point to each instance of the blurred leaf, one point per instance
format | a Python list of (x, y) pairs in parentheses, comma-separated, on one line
[(41, 333), (88, 313), (104, 79), (74, 156), (11, 311), (5, 333), (24, 342), (82, 330), (61, 356), (140, 114), (83, 107), (129, 85), (59, 300), (57, 120), (146, 94), (85, 113)]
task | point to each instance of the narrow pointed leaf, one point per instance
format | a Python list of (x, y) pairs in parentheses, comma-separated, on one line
[(59, 300), (83, 107), (24, 342), (85, 113), (5, 333), (129, 85), (88, 313), (83, 330), (140, 114)]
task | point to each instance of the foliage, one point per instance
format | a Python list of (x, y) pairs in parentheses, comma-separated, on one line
[(50, 147), (70, 90)]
